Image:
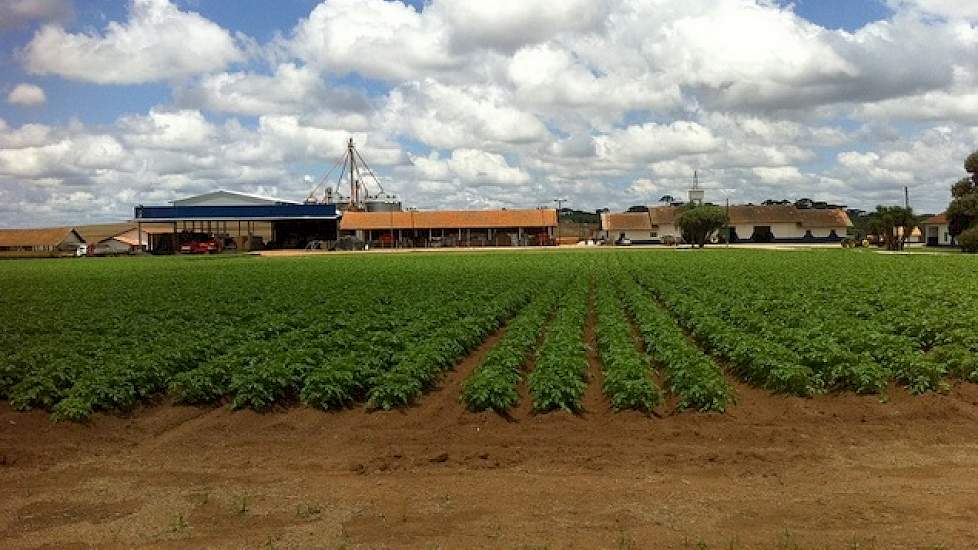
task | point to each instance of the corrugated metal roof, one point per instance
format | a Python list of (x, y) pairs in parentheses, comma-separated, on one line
[(448, 219), (47, 236), (231, 194)]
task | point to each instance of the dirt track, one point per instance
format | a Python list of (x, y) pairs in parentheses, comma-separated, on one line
[(774, 472)]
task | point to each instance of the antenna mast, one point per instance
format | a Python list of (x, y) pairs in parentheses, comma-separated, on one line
[(695, 193)]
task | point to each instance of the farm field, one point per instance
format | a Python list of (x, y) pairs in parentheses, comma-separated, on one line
[(334, 332), (600, 398)]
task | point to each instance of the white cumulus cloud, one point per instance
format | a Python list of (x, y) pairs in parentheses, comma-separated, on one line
[(26, 94), (158, 42)]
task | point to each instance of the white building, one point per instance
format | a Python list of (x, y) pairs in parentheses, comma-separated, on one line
[(747, 223), (936, 231)]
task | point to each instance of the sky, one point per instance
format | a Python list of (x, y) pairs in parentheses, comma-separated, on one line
[(106, 104)]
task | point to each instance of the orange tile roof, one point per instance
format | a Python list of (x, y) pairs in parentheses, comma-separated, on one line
[(627, 221), (939, 219), (448, 219), (47, 236)]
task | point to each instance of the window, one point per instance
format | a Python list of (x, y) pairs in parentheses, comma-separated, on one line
[(653, 234)]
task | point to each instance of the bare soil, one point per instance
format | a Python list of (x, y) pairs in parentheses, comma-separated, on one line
[(839, 471)]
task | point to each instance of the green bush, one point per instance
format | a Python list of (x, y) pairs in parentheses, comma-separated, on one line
[(968, 239)]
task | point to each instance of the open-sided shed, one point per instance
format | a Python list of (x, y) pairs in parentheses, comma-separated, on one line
[(233, 216), (422, 229), (64, 240)]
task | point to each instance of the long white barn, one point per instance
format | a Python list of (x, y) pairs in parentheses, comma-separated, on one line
[(748, 223)]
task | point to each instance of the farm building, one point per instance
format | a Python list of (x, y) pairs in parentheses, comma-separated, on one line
[(748, 223), (936, 231), (53, 240), (131, 240), (236, 220), (447, 228)]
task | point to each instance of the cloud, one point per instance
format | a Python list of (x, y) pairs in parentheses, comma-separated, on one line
[(964, 9), (653, 142), (510, 24), (471, 166), (779, 174), (27, 95), (16, 13), (376, 38), (465, 103), (183, 130), (447, 117), (158, 42), (290, 89)]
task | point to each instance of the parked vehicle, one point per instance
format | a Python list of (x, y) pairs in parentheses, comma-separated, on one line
[(199, 243)]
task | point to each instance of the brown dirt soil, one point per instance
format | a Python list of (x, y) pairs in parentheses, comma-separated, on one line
[(838, 471)]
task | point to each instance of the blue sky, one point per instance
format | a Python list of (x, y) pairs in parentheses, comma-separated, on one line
[(474, 104)]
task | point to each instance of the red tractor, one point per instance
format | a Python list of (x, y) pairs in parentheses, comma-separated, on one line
[(199, 243)]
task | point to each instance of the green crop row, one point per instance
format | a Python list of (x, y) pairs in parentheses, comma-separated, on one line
[(420, 367), (690, 374), (627, 381), (798, 314), (559, 376), (493, 385), (758, 360)]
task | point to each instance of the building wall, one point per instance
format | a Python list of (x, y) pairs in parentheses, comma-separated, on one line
[(636, 236), (71, 243), (112, 246), (941, 231), (782, 231)]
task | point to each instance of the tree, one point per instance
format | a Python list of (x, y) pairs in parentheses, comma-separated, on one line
[(885, 221), (971, 166), (698, 223), (667, 199), (962, 213), (968, 239)]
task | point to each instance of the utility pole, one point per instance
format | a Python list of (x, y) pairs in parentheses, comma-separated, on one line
[(906, 197), (560, 204), (729, 228)]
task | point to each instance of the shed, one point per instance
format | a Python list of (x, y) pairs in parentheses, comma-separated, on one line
[(51, 239), (435, 228)]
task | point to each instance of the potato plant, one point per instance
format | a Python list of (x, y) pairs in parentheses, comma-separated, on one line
[(559, 376), (627, 381), (493, 385), (690, 374)]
